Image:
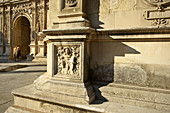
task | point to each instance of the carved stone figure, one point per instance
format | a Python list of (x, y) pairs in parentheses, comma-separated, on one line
[(68, 60)]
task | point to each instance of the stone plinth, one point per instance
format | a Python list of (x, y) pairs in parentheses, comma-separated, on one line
[(68, 65), (67, 77), (66, 83)]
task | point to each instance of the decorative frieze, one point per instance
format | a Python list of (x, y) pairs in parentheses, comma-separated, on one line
[(25, 8)]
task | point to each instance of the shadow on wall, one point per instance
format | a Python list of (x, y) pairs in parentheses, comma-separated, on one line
[(103, 56), (93, 13), (102, 59)]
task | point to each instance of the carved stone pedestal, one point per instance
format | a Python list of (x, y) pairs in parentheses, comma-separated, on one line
[(80, 93), (66, 87), (66, 80)]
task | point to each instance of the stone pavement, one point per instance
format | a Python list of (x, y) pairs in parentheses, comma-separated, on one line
[(18, 74)]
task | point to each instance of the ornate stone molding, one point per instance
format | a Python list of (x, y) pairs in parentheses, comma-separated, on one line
[(20, 9)]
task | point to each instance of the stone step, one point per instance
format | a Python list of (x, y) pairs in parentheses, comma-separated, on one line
[(27, 101), (154, 98)]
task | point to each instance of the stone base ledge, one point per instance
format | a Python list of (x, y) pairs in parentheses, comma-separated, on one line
[(26, 101), (154, 98), (65, 91)]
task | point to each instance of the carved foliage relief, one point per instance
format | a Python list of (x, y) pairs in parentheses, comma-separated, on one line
[(68, 60), (22, 9)]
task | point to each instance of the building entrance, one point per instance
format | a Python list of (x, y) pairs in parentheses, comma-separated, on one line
[(21, 35)]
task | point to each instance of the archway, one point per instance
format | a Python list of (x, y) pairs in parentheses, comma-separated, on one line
[(21, 35)]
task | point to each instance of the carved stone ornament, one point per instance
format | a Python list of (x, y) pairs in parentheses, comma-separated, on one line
[(25, 8), (160, 15), (158, 2), (71, 3), (68, 60), (160, 22)]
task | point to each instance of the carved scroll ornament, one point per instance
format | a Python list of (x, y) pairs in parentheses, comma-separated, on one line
[(71, 3)]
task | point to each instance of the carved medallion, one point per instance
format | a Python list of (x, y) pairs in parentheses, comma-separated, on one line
[(68, 60), (71, 3)]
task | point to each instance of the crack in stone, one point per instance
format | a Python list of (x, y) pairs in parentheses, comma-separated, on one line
[(6, 102)]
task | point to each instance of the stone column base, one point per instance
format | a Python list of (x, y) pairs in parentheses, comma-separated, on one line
[(66, 91), (30, 100)]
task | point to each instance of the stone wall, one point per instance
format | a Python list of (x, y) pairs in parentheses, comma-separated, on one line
[(109, 14), (143, 62), (130, 57)]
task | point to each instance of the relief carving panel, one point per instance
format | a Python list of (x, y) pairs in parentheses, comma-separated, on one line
[(68, 60)]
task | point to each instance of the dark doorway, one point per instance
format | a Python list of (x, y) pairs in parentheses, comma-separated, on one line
[(21, 35)]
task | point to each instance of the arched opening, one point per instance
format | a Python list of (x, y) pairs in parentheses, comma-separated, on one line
[(21, 35)]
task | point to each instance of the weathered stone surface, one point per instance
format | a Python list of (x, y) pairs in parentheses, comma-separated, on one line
[(31, 102), (142, 74), (129, 73), (103, 73), (134, 95)]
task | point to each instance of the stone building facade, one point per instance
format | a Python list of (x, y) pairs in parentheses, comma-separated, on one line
[(20, 24), (103, 52)]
